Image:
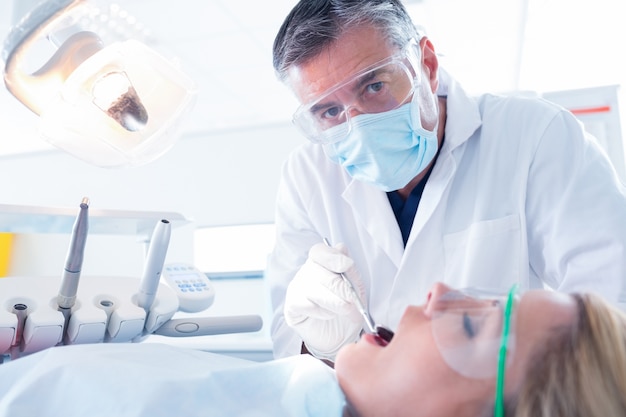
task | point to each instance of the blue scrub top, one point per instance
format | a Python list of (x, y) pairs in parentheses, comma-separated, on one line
[(405, 210)]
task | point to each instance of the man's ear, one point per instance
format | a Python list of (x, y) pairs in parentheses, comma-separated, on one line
[(430, 62)]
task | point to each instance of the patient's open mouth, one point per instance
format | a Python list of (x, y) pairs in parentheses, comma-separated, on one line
[(375, 339), (380, 341)]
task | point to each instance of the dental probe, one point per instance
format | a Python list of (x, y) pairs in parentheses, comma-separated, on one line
[(380, 331)]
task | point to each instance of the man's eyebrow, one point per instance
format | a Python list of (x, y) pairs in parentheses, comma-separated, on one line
[(360, 82), (321, 105), (365, 78)]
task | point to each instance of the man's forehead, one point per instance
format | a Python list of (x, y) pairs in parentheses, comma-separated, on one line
[(351, 53)]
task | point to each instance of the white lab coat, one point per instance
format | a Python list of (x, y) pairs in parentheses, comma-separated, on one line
[(519, 193)]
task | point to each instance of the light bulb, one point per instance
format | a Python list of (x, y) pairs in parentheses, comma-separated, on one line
[(114, 94)]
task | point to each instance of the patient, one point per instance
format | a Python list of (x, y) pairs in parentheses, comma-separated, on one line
[(566, 356), (460, 354)]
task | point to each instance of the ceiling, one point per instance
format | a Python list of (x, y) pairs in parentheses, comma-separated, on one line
[(225, 47)]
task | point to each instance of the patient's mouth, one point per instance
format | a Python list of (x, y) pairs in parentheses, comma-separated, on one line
[(375, 339), (380, 341)]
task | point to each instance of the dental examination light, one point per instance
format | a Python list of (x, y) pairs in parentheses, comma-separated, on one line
[(110, 104)]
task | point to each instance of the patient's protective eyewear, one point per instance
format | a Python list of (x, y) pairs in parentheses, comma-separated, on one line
[(381, 87), (502, 354), (468, 327)]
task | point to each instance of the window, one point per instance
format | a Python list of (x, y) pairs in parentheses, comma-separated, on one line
[(233, 249)]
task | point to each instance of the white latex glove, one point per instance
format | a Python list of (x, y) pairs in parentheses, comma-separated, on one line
[(319, 304)]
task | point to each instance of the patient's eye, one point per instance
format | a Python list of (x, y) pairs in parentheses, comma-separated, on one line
[(485, 322), (468, 326)]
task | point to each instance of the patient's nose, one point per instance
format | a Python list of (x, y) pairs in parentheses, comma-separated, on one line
[(435, 293)]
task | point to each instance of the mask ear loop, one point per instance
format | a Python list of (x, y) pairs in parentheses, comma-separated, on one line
[(413, 56), (499, 404)]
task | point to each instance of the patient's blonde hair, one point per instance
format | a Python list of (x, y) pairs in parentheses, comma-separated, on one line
[(580, 372)]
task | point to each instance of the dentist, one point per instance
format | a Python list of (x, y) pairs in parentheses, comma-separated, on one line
[(417, 182)]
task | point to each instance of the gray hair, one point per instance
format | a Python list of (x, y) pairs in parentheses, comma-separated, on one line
[(312, 25)]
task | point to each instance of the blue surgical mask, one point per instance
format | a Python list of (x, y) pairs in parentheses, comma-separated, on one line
[(386, 149)]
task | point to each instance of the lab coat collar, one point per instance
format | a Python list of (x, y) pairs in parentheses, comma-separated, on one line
[(373, 211), (463, 118), (463, 114), (371, 206)]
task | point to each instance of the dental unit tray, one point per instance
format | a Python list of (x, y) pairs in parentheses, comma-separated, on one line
[(105, 312), (106, 309)]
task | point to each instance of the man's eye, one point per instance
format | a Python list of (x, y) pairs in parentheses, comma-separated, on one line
[(331, 113), (375, 87)]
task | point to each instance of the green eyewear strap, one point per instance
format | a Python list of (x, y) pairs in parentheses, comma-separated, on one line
[(499, 405)]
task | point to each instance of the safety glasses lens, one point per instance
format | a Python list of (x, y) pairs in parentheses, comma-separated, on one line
[(382, 88), (467, 328)]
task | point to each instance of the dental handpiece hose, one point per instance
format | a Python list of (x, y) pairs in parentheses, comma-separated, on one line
[(74, 260)]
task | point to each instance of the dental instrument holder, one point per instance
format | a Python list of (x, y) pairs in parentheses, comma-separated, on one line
[(105, 311)]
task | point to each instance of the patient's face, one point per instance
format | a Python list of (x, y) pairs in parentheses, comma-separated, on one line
[(410, 377)]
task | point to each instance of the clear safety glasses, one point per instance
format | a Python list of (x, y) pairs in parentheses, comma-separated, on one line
[(468, 327), (381, 87)]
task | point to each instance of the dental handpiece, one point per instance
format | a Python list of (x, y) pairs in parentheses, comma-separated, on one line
[(382, 332), (153, 266), (74, 261)]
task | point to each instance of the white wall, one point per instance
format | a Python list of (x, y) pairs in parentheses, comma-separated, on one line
[(222, 178), (229, 177), (216, 179)]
